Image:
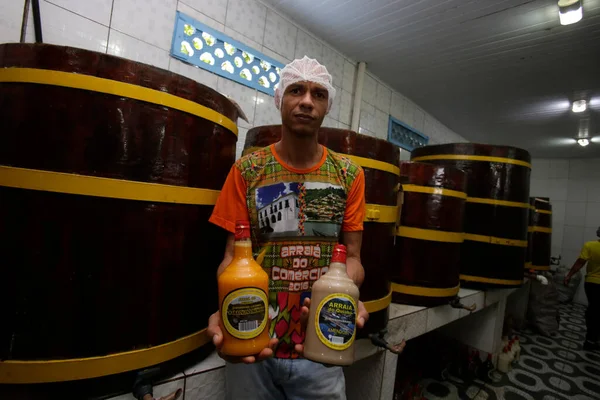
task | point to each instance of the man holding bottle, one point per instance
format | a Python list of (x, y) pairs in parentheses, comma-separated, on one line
[(301, 199)]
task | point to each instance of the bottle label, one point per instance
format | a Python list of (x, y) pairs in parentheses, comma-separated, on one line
[(335, 321), (245, 313)]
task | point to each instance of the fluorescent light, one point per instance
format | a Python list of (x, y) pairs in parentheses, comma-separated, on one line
[(583, 142), (570, 11), (579, 106)]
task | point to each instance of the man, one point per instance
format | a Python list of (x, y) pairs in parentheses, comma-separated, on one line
[(590, 254), (301, 199)]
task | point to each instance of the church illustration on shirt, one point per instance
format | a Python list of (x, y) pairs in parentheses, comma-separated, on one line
[(300, 209)]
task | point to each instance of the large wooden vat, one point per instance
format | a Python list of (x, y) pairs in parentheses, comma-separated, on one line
[(540, 232), (109, 170), (427, 251), (496, 212), (379, 160)]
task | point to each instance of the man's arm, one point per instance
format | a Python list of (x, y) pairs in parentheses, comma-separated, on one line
[(580, 263), (353, 241), (228, 254)]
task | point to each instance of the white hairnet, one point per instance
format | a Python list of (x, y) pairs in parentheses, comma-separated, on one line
[(304, 70)]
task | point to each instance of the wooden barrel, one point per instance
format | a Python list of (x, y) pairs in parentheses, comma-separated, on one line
[(108, 259), (529, 232), (496, 212), (540, 232), (427, 251), (379, 160)]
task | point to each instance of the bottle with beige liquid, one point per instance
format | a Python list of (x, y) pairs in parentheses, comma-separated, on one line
[(331, 326)]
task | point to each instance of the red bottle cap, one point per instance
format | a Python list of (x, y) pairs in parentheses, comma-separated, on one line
[(242, 229), (339, 254)]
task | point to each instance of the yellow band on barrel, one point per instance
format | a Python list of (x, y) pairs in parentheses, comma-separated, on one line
[(85, 185), (425, 291), (362, 161), (429, 234), (117, 88), (490, 280), (542, 229), (542, 211), (20, 372), (502, 160), (530, 228), (434, 190), (495, 240), (381, 214), (540, 267), (379, 304), (528, 265), (481, 200)]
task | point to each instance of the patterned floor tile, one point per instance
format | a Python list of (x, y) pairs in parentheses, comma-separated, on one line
[(556, 367)]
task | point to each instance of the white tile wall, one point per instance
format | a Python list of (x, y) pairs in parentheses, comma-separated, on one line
[(397, 106), (198, 74), (346, 107), (247, 17), (265, 112), (11, 18), (577, 190), (384, 98), (558, 169), (335, 65), (307, 45), (349, 75), (381, 123), (369, 94), (215, 9), (60, 26), (576, 215), (96, 10), (243, 95), (280, 35), (151, 21), (243, 39), (122, 45), (592, 216), (589, 233), (200, 17)]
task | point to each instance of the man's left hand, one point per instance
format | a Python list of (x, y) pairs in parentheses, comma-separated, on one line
[(361, 320)]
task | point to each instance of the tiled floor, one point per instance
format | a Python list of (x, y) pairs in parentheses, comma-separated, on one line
[(555, 367)]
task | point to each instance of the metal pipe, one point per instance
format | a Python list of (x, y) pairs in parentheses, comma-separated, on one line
[(360, 79), (37, 21), (25, 18)]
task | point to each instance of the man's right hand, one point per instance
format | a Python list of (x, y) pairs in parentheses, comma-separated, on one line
[(214, 332)]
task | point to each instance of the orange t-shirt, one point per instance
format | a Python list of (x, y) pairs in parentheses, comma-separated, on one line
[(296, 218)]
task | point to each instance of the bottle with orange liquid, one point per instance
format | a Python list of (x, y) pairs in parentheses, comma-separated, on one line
[(243, 299)]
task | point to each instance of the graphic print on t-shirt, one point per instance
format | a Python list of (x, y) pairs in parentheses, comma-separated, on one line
[(289, 210)]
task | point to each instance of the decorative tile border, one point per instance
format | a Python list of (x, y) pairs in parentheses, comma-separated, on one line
[(209, 49), (405, 136)]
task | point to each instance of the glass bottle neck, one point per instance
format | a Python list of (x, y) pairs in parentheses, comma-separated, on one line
[(242, 248)]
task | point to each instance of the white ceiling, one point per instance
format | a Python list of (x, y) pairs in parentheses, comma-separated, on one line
[(501, 72)]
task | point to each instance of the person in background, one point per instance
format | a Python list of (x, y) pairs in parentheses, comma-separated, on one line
[(301, 199), (590, 254)]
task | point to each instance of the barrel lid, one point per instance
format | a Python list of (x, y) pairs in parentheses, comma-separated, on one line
[(473, 149)]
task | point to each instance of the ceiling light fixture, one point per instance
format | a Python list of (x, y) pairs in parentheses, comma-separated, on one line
[(583, 142), (579, 106), (570, 11)]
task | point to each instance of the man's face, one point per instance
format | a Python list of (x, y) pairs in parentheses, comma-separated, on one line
[(303, 107)]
